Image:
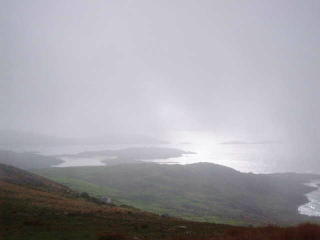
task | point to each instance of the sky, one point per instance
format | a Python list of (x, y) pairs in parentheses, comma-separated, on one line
[(242, 69)]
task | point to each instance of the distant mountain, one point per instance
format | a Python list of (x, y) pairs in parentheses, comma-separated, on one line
[(124, 139), (203, 191), (30, 160), (244, 142), (131, 155), (27, 160), (21, 138)]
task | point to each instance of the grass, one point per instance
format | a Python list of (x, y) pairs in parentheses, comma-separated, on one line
[(83, 186), (200, 192), (34, 208), (28, 213)]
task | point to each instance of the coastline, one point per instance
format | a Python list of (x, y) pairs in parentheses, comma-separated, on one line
[(312, 207)]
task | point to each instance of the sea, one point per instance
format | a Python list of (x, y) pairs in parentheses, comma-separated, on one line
[(245, 156)]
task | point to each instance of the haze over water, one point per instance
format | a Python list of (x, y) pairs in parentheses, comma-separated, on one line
[(234, 82), (245, 156)]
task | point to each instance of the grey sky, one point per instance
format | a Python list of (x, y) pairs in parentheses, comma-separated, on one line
[(237, 68)]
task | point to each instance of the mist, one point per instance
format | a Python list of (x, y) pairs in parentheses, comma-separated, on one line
[(241, 71), (168, 119)]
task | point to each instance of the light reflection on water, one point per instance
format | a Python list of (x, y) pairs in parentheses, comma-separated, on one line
[(242, 156), (245, 157), (257, 158), (79, 162)]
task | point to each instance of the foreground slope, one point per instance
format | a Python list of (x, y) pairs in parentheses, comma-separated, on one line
[(204, 191), (32, 207)]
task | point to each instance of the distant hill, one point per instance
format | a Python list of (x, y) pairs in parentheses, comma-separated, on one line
[(131, 155), (22, 138), (203, 191), (27, 160), (135, 139), (248, 143)]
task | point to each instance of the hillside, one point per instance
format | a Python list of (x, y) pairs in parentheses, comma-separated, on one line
[(32, 207), (12, 175), (202, 192)]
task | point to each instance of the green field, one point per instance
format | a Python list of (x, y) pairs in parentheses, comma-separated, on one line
[(202, 192)]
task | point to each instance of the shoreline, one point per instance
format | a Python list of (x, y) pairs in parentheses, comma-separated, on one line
[(312, 207)]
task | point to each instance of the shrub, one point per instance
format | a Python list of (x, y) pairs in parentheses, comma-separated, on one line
[(112, 236)]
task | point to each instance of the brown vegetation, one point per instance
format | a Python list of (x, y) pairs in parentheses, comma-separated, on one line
[(30, 212), (301, 232)]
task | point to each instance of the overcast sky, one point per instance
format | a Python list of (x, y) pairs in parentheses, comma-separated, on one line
[(245, 68)]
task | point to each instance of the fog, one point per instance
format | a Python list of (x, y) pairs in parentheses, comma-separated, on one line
[(245, 70)]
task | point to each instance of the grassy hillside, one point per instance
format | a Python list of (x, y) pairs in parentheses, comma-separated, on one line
[(35, 208), (32, 207), (202, 192)]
